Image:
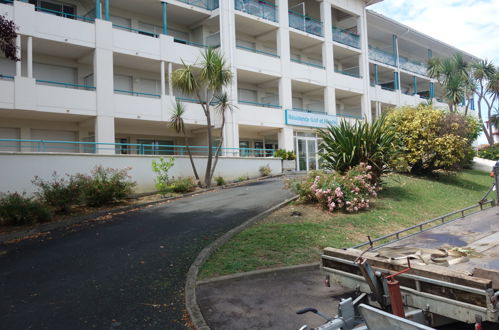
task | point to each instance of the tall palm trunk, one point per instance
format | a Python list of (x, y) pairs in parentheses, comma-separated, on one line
[(219, 145), (207, 177), (196, 175)]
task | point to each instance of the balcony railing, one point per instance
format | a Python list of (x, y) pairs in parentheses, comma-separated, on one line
[(307, 63), (129, 29), (65, 85), (352, 72), (257, 51), (260, 104), (205, 4), (346, 37), (259, 8), (6, 77), (413, 66), (127, 92), (381, 56), (305, 23), (309, 111), (193, 43), (65, 15), (17, 145)]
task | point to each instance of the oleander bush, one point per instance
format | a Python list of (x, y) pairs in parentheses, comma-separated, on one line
[(285, 155), (18, 209), (60, 193), (351, 191), (429, 139), (105, 186)]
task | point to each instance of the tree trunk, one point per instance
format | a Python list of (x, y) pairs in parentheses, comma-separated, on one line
[(219, 145), (192, 160), (207, 178)]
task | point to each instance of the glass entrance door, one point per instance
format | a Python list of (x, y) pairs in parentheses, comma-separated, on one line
[(307, 153)]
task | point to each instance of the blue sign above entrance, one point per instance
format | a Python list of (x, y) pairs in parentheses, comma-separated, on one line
[(309, 119)]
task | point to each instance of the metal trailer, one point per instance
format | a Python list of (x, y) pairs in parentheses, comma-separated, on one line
[(430, 294)]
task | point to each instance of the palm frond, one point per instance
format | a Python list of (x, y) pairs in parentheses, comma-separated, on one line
[(177, 117)]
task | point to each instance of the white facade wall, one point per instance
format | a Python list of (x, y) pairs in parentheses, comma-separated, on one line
[(18, 169), (307, 71)]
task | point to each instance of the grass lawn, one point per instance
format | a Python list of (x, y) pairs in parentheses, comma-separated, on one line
[(282, 239)]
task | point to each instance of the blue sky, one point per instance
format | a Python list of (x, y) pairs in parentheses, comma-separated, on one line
[(469, 25)]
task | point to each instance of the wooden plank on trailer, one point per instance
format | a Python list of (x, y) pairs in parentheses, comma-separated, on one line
[(430, 271), (489, 274)]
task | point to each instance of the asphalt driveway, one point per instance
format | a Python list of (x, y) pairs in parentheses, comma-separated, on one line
[(128, 273)]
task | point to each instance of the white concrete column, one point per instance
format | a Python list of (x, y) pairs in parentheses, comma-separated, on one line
[(328, 59), (18, 54), (104, 84), (330, 100), (283, 48), (30, 57), (285, 139), (364, 66)]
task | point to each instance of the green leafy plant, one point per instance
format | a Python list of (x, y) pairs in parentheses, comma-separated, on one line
[(429, 139), (105, 186), (181, 185), (242, 178), (161, 167), (60, 193), (351, 191), (348, 145), (18, 209), (220, 181), (285, 155), (489, 152), (265, 170)]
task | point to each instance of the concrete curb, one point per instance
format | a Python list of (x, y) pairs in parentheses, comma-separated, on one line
[(253, 273), (47, 227), (191, 281)]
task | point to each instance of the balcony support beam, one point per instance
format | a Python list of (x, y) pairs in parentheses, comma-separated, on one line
[(163, 81), (165, 17), (415, 83), (396, 80), (376, 75)]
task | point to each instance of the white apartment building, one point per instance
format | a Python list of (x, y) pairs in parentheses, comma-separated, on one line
[(99, 71)]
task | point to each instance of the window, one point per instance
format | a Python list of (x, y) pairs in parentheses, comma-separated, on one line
[(121, 149), (50, 135), (123, 83), (155, 147), (121, 21), (148, 86), (247, 95), (55, 73), (55, 8), (244, 145), (149, 29), (10, 133)]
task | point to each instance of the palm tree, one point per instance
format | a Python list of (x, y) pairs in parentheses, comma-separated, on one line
[(486, 77), (223, 105), (453, 75), (177, 123), (213, 76)]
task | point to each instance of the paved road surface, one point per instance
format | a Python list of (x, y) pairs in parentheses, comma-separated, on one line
[(128, 273)]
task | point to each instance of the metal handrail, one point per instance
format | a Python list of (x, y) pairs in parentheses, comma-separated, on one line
[(193, 43), (136, 93), (347, 73), (146, 33), (259, 8), (6, 77), (63, 14), (254, 50), (307, 63), (267, 105), (441, 220), (214, 4), (65, 84)]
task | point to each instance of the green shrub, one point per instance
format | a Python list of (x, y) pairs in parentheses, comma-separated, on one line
[(265, 170), (350, 191), (220, 180), (182, 185), (429, 139), (161, 168), (242, 178), (348, 145), (59, 193), (489, 152), (285, 155), (105, 186), (18, 209)]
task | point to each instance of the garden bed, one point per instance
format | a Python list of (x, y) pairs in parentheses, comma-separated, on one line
[(297, 233)]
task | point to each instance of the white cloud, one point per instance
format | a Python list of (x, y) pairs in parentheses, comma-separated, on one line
[(470, 25)]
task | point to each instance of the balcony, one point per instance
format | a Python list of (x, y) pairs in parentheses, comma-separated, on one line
[(260, 104), (259, 8), (305, 23), (352, 72), (257, 51), (413, 66), (205, 4), (346, 38), (315, 65), (381, 56)]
